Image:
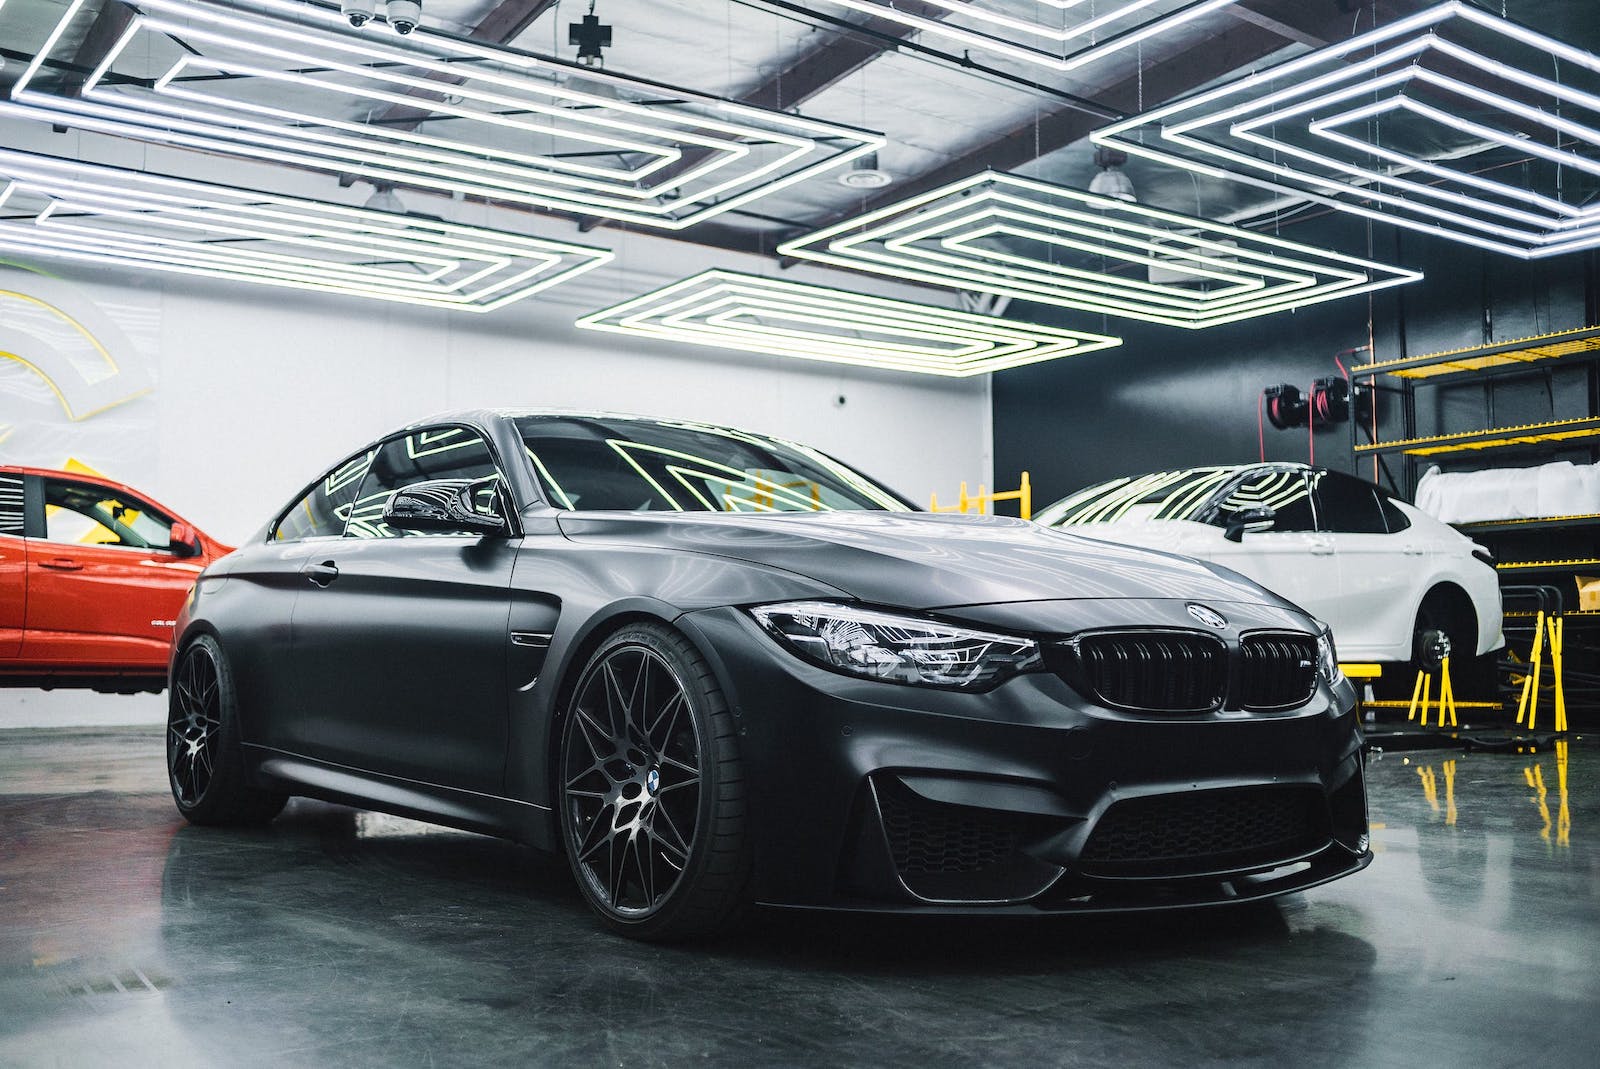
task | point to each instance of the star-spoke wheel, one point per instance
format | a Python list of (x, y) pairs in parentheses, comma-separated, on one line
[(204, 762), (647, 740), (194, 718)]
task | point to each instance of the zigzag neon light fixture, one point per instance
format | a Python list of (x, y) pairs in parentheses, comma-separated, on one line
[(106, 215), (760, 315), (1356, 126), (291, 83), (1019, 237), (1060, 34)]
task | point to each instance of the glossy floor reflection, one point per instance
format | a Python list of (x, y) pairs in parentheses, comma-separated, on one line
[(348, 939)]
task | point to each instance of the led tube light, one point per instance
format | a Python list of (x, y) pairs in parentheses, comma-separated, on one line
[(66, 209), (1063, 35), (1315, 127), (291, 83), (1036, 241), (729, 310)]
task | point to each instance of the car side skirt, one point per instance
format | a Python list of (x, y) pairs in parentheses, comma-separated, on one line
[(486, 814)]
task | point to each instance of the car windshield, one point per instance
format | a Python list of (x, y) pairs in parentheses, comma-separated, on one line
[(1162, 495), (627, 465)]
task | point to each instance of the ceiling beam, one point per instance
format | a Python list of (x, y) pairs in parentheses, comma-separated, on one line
[(110, 23), (823, 67)]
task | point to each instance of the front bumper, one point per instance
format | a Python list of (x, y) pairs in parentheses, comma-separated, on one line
[(1029, 798)]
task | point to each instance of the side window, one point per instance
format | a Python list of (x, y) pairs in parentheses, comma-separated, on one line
[(1393, 518), (10, 504), (1284, 491), (436, 453), (97, 515), (322, 513), (1347, 505)]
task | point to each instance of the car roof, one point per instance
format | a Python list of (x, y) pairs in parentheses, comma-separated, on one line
[(79, 476)]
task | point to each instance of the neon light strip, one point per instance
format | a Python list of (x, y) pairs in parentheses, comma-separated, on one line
[(1373, 74), (935, 238), (738, 153), (1082, 36), (107, 215), (761, 315)]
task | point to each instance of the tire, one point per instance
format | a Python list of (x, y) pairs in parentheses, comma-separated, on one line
[(652, 801), (205, 766)]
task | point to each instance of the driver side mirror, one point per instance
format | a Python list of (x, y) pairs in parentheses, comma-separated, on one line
[(445, 506), (184, 540), (1259, 519)]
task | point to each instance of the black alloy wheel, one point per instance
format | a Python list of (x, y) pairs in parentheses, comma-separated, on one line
[(652, 805), (204, 765), (194, 722)]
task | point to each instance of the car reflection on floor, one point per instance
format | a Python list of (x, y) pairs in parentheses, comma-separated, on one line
[(341, 937)]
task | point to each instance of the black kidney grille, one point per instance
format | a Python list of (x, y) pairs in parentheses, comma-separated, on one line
[(1155, 671), (1276, 671), (929, 837), (1206, 832)]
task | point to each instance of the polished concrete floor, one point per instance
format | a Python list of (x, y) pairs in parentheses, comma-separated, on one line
[(338, 938)]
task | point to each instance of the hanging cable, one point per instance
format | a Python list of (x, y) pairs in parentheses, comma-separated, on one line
[(1261, 429)]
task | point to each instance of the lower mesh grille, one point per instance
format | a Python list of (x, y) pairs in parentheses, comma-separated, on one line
[(926, 837), (1277, 671), (1206, 832), (1154, 671), (954, 853)]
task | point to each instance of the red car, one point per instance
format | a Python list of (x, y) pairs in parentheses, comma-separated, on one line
[(92, 575)]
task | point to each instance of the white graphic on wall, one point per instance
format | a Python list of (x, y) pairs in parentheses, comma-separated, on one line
[(76, 377)]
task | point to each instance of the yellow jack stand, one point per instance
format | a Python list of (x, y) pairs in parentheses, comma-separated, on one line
[(979, 503), (1549, 629), (1424, 686)]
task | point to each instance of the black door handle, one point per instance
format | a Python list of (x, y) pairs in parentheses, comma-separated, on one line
[(321, 574)]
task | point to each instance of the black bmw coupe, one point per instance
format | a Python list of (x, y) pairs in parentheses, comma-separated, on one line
[(717, 670)]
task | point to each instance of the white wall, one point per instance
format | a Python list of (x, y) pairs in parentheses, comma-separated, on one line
[(253, 390)]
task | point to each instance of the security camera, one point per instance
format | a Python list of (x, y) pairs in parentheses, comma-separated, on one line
[(357, 11), (404, 15)]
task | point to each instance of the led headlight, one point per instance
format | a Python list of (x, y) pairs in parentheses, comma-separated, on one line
[(1327, 657), (895, 648)]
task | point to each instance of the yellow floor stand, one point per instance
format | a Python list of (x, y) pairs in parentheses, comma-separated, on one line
[(1424, 686), (980, 503), (1548, 631)]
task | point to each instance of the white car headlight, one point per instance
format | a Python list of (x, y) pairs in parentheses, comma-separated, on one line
[(894, 648), (1327, 657)]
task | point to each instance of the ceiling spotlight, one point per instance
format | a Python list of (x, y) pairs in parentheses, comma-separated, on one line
[(1111, 181), (864, 174), (590, 35), (385, 199)]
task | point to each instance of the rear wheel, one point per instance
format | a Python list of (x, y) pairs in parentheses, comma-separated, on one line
[(652, 798), (205, 767)]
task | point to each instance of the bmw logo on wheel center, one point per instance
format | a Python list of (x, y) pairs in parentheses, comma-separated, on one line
[(1208, 616)]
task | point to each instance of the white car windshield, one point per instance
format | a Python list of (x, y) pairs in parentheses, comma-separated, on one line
[(1162, 495)]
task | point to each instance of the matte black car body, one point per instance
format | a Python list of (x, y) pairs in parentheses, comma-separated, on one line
[(431, 678)]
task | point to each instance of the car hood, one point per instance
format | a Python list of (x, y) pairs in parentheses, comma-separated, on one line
[(925, 561)]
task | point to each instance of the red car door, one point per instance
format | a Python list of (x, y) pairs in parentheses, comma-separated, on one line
[(13, 565), (103, 586)]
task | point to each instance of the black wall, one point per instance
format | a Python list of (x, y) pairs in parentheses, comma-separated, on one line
[(1170, 397)]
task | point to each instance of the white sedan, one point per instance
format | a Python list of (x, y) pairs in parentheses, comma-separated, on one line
[(1393, 583)]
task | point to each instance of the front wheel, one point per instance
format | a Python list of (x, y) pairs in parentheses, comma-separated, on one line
[(205, 767), (652, 797)]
